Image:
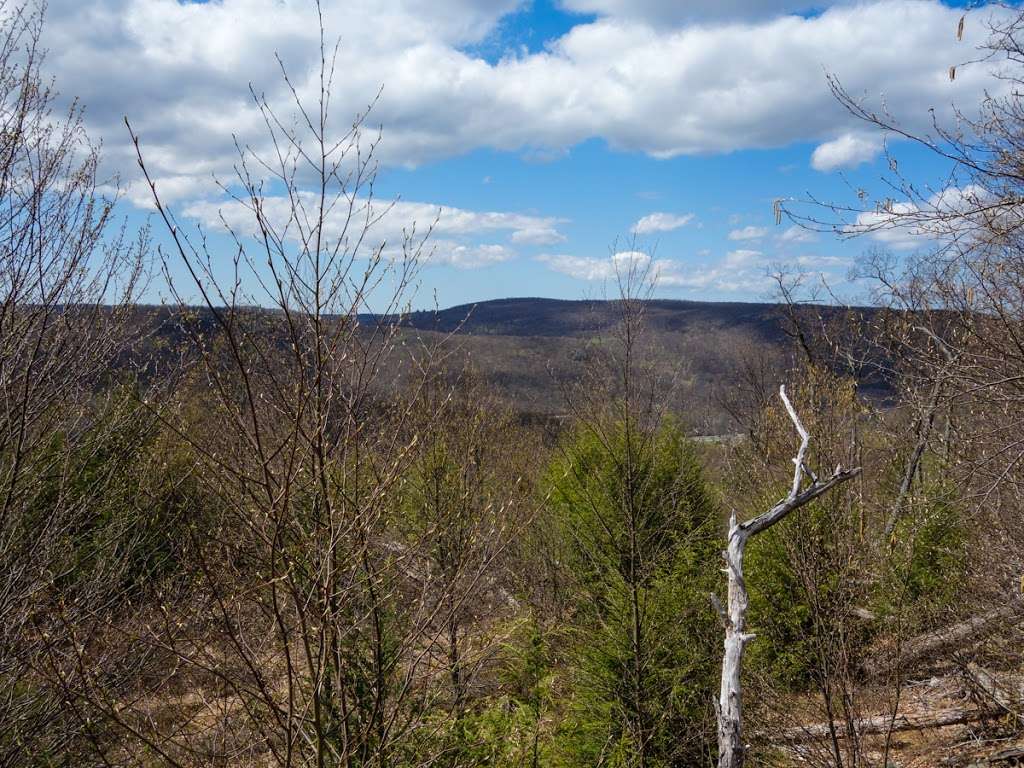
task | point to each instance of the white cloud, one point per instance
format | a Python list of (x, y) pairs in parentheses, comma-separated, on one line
[(455, 231), (955, 212), (589, 268), (742, 271), (468, 256), (743, 258), (446, 221), (894, 228), (180, 71), (172, 189), (541, 234), (739, 272), (664, 272), (820, 262), (676, 11), (661, 222), (748, 233), (747, 271), (795, 234), (847, 151)]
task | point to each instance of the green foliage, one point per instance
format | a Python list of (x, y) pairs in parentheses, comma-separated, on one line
[(640, 532), (527, 668), (447, 502), (97, 515), (927, 568), (37, 737), (510, 727), (807, 577), (513, 728), (780, 614), (796, 598), (113, 500)]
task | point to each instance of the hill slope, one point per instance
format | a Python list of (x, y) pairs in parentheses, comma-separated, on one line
[(556, 317), (528, 349)]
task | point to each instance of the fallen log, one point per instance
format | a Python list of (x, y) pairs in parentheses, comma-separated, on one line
[(881, 724), (948, 638), (1013, 754), (1001, 694), (1005, 692)]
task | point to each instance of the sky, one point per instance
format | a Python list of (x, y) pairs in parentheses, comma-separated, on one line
[(553, 140)]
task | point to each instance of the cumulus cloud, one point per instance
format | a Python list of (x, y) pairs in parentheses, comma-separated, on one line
[(895, 228), (741, 271), (181, 71), (664, 272), (748, 233), (795, 234), (171, 188), (393, 218), (456, 231), (469, 256), (749, 271), (589, 268), (661, 222), (847, 151), (819, 262), (674, 11), (955, 212), (743, 258), (539, 234)]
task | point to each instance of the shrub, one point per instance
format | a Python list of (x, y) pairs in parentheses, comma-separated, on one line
[(640, 537)]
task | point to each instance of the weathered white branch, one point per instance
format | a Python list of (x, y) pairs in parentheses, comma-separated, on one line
[(731, 748), (805, 439)]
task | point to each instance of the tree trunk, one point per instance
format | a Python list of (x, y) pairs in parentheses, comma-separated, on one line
[(731, 748)]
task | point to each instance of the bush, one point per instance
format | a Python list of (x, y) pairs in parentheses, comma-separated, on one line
[(640, 536), (133, 495), (927, 563), (796, 599)]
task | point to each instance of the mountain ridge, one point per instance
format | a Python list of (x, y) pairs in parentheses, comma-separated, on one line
[(538, 316)]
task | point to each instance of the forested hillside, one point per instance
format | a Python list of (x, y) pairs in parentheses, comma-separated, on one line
[(528, 350), (584, 318)]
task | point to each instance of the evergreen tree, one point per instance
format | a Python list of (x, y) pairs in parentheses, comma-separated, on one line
[(640, 535)]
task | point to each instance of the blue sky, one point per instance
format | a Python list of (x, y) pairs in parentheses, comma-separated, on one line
[(552, 135)]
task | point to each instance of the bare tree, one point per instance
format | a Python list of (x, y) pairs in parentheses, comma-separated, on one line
[(66, 285), (731, 745), (308, 633), (950, 334)]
